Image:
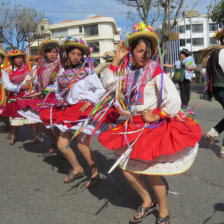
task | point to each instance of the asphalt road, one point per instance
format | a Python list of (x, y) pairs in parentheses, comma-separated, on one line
[(32, 189)]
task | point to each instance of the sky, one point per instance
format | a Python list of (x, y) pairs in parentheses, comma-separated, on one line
[(60, 10)]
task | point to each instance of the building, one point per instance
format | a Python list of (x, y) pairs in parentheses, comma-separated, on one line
[(1, 39), (101, 33), (196, 32)]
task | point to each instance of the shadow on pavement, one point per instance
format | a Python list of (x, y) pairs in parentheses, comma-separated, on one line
[(217, 207), (215, 148)]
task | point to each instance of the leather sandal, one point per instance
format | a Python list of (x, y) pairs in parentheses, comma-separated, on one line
[(72, 176), (52, 149), (93, 181), (11, 140), (145, 210), (161, 220)]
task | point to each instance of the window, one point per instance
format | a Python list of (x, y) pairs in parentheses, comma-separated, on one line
[(42, 28), (34, 51), (60, 32), (197, 41), (213, 41), (182, 42), (95, 46), (96, 62), (188, 27), (213, 27), (188, 41), (91, 30), (80, 29), (181, 29), (197, 28)]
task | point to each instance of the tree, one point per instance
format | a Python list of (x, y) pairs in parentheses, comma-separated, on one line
[(216, 11), (19, 23), (162, 10), (144, 7)]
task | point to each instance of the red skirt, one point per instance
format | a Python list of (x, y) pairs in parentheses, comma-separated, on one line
[(37, 104), (71, 114), (11, 108), (169, 137)]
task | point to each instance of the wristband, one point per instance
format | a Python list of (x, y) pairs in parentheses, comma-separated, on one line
[(160, 112), (113, 68)]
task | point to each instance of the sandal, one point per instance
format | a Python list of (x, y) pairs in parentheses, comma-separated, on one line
[(139, 211), (11, 140), (221, 154), (93, 181), (161, 220), (37, 140), (209, 138), (72, 176), (52, 149)]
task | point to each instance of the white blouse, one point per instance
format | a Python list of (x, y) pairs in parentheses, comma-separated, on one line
[(8, 85), (171, 101), (88, 88)]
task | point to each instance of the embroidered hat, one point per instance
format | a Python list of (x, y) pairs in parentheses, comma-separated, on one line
[(219, 34), (14, 53), (46, 42), (143, 31), (75, 42), (109, 56), (2, 53)]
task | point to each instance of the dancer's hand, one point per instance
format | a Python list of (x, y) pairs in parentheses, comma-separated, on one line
[(120, 54), (149, 116), (85, 107), (26, 85)]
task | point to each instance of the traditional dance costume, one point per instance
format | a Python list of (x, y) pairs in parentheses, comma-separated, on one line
[(67, 116), (42, 94), (12, 80), (165, 147)]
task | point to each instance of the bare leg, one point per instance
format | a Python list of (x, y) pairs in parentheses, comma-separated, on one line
[(35, 133), (63, 142), (159, 188), (138, 184), (88, 154), (51, 134), (12, 135)]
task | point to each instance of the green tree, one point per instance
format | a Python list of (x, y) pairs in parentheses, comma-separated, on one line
[(18, 25), (216, 11)]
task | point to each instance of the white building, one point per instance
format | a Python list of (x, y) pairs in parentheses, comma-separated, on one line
[(99, 32), (196, 32)]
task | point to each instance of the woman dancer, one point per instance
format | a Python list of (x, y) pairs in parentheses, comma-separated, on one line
[(17, 67), (156, 138), (2, 95), (47, 71), (78, 89)]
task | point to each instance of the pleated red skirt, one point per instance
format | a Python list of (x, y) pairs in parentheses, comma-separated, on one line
[(12, 108), (170, 136), (71, 114)]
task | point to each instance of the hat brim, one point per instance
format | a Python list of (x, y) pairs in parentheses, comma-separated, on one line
[(145, 34), (219, 35), (83, 47), (44, 43), (2, 53), (14, 55)]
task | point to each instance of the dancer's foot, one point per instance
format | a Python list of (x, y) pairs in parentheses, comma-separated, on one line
[(73, 175)]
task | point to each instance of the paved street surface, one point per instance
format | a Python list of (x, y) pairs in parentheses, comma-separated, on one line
[(32, 189)]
